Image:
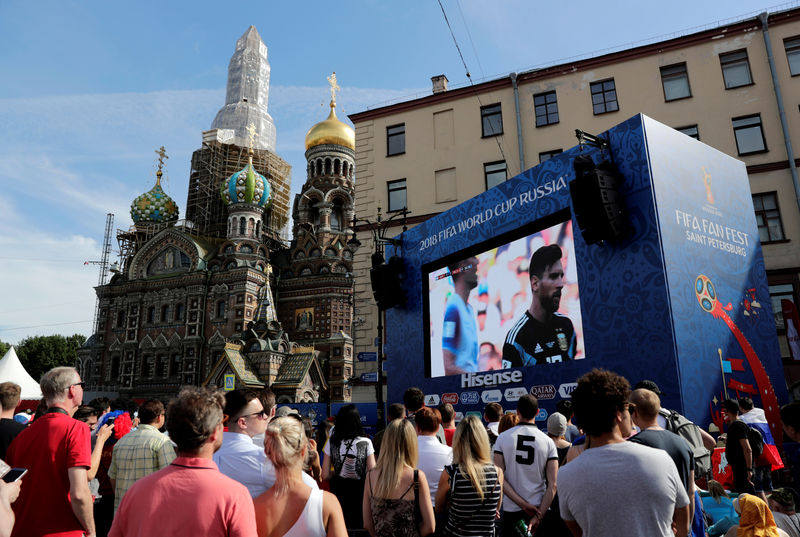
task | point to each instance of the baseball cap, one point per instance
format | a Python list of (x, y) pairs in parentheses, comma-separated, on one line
[(783, 496), (556, 424)]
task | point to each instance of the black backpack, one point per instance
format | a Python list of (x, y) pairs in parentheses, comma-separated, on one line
[(690, 432), (756, 440)]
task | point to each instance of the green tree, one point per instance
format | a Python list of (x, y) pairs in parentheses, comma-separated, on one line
[(4, 348), (39, 354)]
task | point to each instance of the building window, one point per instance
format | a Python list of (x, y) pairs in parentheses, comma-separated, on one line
[(547, 155), (778, 292), (546, 107), (735, 69), (179, 310), (690, 130), (675, 80), (749, 134), (220, 309), (604, 97), (491, 120), (396, 140), (768, 217), (495, 173), (397, 195), (792, 46), (164, 313), (151, 314)]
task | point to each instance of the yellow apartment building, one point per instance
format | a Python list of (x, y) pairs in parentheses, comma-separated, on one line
[(734, 87)]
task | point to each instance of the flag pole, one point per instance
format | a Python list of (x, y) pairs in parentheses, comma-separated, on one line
[(722, 368)]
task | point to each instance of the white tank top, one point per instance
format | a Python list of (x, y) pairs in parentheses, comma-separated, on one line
[(310, 523)]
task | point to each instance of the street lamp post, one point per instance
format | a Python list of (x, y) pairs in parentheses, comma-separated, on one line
[(379, 240)]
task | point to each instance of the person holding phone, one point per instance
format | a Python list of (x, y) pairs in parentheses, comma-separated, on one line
[(56, 451), (9, 491)]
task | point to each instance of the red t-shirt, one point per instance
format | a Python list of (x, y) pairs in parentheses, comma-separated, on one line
[(48, 448), (448, 436)]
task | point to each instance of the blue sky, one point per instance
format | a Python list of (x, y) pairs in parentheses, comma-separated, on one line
[(89, 90)]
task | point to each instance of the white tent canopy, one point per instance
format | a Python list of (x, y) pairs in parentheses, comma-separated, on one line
[(12, 370)]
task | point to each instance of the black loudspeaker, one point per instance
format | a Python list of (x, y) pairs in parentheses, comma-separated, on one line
[(387, 283), (599, 208)]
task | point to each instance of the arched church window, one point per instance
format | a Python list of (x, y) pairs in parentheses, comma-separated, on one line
[(220, 313), (164, 313), (179, 311), (258, 228), (242, 225), (337, 166), (327, 166), (319, 166), (151, 314)]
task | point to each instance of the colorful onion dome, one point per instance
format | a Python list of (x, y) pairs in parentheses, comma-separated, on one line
[(331, 131), (246, 186), (154, 206)]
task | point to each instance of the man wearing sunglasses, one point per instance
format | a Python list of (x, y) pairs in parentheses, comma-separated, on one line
[(239, 458), (55, 450)]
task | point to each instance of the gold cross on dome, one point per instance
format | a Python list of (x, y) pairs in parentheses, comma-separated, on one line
[(251, 128), (334, 87), (162, 154)]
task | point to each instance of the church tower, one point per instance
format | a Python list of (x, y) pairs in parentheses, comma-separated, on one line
[(227, 149), (316, 286)]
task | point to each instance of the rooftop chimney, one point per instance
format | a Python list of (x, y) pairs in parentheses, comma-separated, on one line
[(439, 83)]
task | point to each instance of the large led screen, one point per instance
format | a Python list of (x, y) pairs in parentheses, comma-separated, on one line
[(510, 302)]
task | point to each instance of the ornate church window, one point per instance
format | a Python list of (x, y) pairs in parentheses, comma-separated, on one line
[(169, 260)]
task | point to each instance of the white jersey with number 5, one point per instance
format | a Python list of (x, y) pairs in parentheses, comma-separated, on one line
[(525, 450)]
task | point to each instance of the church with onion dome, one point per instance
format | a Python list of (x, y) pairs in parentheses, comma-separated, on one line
[(220, 296)]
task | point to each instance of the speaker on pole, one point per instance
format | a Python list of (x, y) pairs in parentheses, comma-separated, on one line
[(598, 207), (387, 282)]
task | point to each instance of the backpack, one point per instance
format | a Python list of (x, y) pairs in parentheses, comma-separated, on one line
[(756, 440), (690, 432)]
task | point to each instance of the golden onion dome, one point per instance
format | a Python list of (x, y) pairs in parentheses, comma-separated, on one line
[(331, 131)]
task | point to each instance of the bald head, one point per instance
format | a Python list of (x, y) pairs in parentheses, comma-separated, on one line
[(646, 406)]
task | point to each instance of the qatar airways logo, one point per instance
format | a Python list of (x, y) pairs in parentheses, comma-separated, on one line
[(473, 380)]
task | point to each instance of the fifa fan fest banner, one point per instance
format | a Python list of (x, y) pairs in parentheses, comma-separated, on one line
[(504, 297)]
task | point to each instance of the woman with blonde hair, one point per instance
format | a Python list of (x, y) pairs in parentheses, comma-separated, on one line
[(395, 489), (471, 487), (291, 508)]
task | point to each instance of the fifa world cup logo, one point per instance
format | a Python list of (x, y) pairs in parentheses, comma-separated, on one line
[(707, 183)]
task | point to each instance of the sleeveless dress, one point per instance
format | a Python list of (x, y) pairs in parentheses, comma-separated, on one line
[(394, 517), (468, 514), (310, 523)]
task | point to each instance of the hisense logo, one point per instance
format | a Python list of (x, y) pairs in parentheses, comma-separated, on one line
[(472, 380)]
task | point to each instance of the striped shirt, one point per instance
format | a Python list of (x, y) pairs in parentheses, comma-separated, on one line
[(468, 514), (136, 455)]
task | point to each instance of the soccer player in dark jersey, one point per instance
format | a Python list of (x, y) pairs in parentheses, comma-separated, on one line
[(542, 335)]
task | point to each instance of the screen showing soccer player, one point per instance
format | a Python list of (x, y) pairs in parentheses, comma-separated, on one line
[(513, 305)]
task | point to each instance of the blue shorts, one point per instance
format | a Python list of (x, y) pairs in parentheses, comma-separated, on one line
[(762, 478)]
